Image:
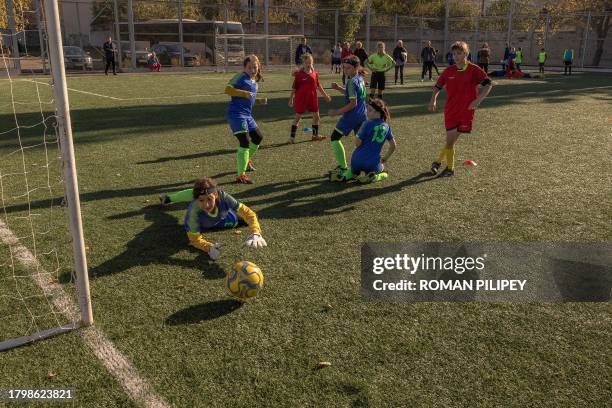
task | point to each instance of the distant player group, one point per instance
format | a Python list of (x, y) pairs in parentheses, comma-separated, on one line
[(367, 117)]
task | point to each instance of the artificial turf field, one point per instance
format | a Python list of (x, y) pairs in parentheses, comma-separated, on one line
[(542, 149)]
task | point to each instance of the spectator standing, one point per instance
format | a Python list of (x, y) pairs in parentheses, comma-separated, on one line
[(301, 49), (361, 53), (484, 55), (568, 59), (428, 55), (506, 56), (400, 55), (450, 60), (346, 52), (541, 60), (336, 58), (109, 53), (518, 58)]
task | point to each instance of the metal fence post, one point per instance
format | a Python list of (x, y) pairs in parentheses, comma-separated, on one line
[(78, 19), (395, 29), (368, 16), (302, 21), (131, 31), (586, 37), (510, 12), (420, 44), (266, 31), (180, 30), (336, 18), (41, 36), (225, 45), (118, 35), (546, 28), (446, 14), (13, 32)]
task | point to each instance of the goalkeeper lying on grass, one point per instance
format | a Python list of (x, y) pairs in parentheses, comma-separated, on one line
[(212, 208)]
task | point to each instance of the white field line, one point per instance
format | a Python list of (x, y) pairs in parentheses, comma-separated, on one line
[(138, 389), (131, 99)]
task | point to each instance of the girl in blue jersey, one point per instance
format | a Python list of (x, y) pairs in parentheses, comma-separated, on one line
[(354, 113), (211, 208), (243, 90), (370, 139)]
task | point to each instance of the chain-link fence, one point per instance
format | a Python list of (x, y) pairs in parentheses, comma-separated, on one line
[(185, 32)]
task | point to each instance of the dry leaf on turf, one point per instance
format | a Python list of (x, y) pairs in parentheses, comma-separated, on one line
[(323, 364)]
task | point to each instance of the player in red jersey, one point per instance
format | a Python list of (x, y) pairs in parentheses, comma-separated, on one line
[(461, 83), (304, 97)]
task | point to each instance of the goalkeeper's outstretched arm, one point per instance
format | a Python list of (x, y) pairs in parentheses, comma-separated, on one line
[(249, 216), (254, 240)]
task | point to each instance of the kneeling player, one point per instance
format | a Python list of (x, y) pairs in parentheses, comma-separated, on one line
[(461, 82), (354, 113), (304, 97), (212, 208), (370, 139)]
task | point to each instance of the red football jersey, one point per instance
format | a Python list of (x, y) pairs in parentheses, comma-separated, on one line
[(305, 84), (461, 86)]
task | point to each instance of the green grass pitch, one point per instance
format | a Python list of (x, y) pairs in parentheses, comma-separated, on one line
[(541, 147)]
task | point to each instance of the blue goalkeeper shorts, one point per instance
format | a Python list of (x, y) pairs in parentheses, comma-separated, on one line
[(241, 124), (350, 123)]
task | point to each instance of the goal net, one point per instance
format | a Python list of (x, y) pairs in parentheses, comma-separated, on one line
[(272, 50), (38, 229)]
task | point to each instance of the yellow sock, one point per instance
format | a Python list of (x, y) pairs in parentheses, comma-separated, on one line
[(442, 155), (450, 158)]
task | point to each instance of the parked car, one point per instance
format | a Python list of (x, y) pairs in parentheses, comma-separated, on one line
[(142, 53), (76, 58), (170, 54)]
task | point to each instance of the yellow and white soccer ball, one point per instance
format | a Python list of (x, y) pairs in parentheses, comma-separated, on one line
[(245, 280)]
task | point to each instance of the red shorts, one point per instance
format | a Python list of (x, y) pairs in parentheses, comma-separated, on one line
[(301, 105), (461, 121)]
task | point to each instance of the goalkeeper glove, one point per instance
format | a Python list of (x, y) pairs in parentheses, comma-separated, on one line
[(255, 241), (213, 251)]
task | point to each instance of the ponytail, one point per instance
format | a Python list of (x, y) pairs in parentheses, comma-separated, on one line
[(381, 107)]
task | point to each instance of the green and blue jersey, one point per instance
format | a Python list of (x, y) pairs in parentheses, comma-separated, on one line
[(238, 106), (373, 134), (224, 216)]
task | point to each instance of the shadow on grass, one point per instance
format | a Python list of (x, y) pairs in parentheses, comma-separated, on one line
[(152, 192), (299, 202), (120, 122), (213, 153), (205, 311), (157, 244)]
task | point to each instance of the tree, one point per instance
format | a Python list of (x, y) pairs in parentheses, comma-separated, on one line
[(22, 19), (349, 23), (601, 20)]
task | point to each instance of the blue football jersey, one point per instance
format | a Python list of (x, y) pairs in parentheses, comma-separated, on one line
[(373, 135), (225, 215), (356, 89), (239, 106)]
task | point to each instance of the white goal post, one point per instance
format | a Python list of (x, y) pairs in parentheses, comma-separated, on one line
[(24, 238)]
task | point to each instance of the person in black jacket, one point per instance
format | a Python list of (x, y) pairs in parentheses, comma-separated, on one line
[(428, 56), (400, 54), (109, 52), (301, 49), (361, 53)]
